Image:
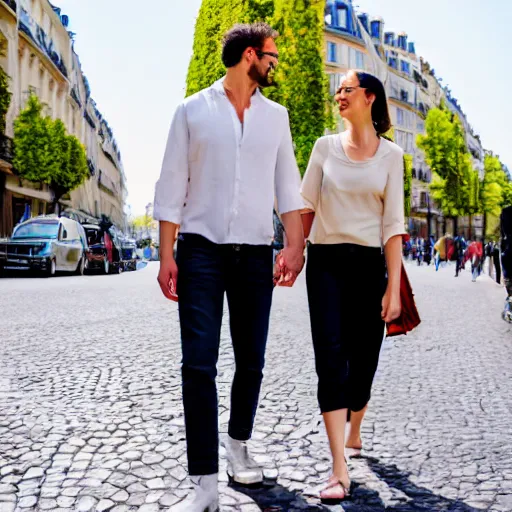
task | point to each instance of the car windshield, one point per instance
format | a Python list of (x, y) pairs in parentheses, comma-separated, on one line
[(93, 236), (37, 230)]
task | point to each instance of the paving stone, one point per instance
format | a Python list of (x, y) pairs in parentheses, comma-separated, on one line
[(102, 424)]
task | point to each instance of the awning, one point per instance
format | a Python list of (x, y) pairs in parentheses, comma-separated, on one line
[(43, 195)]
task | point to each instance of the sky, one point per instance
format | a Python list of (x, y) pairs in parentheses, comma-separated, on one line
[(135, 54)]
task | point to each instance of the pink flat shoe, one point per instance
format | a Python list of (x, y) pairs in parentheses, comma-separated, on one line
[(334, 492)]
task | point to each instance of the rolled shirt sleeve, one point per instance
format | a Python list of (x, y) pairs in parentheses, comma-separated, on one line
[(393, 220), (287, 176), (171, 188), (312, 182)]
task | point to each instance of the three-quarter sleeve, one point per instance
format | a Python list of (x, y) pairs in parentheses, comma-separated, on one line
[(171, 188), (393, 220), (312, 182), (287, 177)]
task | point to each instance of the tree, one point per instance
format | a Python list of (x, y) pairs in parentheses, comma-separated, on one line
[(142, 224), (45, 153), (302, 84), (390, 135), (215, 18), (5, 94), (447, 156)]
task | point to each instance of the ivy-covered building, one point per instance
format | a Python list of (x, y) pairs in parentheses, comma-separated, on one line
[(358, 40), (37, 55)]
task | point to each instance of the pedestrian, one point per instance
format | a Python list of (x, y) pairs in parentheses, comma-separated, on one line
[(229, 153), (495, 258), (353, 188), (474, 253), (506, 259), (459, 248), (489, 256), (441, 250)]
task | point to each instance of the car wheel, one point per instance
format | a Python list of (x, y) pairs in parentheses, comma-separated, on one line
[(52, 268), (80, 269), (106, 266)]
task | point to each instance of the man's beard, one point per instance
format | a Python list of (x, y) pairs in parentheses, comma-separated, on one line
[(263, 80)]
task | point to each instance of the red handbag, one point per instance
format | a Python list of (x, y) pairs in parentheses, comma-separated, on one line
[(409, 317)]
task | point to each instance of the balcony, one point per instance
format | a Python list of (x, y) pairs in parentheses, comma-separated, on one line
[(11, 4), (6, 149)]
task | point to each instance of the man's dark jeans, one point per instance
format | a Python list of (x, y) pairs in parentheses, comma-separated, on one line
[(205, 272)]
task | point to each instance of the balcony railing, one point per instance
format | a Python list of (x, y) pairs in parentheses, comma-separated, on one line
[(11, 4), (6, 149)]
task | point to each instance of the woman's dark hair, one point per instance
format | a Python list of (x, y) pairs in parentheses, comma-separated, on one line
[(380, 111), (241, 37)]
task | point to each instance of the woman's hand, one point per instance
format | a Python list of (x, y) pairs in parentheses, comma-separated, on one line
[(391, 305)]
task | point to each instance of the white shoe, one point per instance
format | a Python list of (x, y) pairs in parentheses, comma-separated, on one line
[(205, 497), (242, 468)]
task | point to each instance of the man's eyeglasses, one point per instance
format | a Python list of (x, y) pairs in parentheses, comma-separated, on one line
[(260, 54)]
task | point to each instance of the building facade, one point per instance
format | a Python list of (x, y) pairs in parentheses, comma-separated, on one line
[(356, 40), (39, 58)]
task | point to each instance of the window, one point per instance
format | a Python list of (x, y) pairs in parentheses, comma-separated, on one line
[(404, 96), (342, 18), (359, 60), (334, 82), (393, 62), (376, 29), (399, 117), (406, 67), (331, 52)]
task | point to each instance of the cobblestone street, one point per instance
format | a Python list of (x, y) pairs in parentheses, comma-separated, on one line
[(91, 414)]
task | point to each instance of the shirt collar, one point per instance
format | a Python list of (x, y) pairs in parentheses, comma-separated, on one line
[(218, 86)]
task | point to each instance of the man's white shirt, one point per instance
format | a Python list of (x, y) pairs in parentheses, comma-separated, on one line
[(220, 178)]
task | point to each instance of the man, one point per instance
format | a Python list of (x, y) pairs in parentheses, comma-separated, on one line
[(229, 154)]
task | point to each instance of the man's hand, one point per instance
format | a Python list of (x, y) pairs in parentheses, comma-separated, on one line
[(168, 278), (289, 264)]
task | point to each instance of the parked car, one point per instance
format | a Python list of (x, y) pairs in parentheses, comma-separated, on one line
[(104, 249), (46, 244), (128, 254)]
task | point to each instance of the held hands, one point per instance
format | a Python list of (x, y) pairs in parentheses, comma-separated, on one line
[(289, 264), (391, 305), (168, 278)]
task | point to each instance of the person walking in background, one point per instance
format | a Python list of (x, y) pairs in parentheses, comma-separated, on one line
[(459, 247), (474, 253), (495, 258), (441, 250), (488, 255), (506, 259), (229, 154), (354, 191)]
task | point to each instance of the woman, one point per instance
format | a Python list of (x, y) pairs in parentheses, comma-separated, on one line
[(353, 189)]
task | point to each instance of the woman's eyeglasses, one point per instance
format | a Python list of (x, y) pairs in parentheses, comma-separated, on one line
[(348, 90)]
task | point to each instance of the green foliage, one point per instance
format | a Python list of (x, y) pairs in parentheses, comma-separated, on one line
[(407, 184), (390, 135), (215, 18), (5, 98), (302, 83), (496, 190), (5, 94), (32, 144), (45, 153), (447, 156)]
